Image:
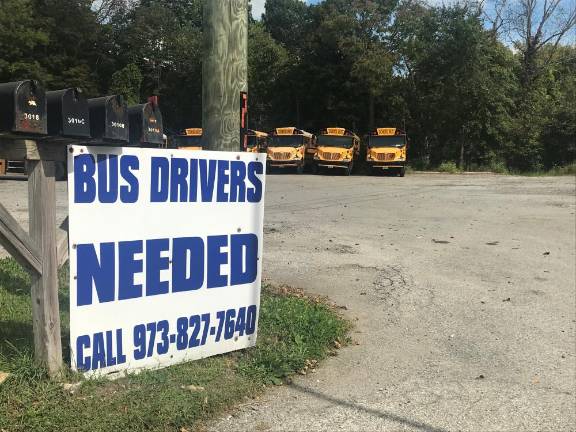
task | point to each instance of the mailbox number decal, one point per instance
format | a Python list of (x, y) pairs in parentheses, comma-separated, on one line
[(28, 116)]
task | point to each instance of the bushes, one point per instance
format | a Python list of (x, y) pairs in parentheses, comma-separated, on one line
[(449, 167)]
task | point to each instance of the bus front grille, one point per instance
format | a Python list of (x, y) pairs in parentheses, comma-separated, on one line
[(330, 156), (385, 156), (281, 155)]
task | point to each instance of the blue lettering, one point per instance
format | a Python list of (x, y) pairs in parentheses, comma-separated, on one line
[(207, 178), (84, 183), (120, 356), (216, 258), (89, 269), (160, 173), (107, 178), (255, 194), (179, 180), (98, 352), (223, 180), (82, 362), (193, 180), (129, 266), (129, 194), (187, 252), (237, 185), (154, 264), (110, 359), (243, 258)]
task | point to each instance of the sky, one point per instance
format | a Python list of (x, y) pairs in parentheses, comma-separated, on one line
[(258, 5)]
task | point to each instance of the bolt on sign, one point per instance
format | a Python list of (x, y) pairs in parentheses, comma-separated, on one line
[(166, 253)]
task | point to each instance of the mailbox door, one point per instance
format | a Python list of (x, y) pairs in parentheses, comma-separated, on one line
[(68, 114), (153, 128), (116, 119), (30, 108), (23, 108), (146, 125), (109, 118)]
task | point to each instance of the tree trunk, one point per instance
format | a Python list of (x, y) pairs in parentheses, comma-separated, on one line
[(224, 72), (297, 111), (461, 165), (371, 112)]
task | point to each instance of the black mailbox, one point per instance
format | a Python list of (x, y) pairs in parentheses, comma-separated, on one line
[(68, 114), (108, 118), (23, 108), (146, 125)]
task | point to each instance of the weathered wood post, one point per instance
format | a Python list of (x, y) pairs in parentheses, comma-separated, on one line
[(224, 72), (43, 230), (41, 251)]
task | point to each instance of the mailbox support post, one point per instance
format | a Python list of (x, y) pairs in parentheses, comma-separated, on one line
[(224, 72), (45, 307), (39, 251)]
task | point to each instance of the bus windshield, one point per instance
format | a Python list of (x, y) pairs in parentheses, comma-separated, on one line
[(387, 141), (252, 141), (285, 141), (335, 141)]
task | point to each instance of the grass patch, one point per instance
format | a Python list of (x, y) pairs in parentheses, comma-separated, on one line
[(295, 332), (449, 167), (567, 170)]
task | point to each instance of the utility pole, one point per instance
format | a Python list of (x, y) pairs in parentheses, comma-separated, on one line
[(224, 72)]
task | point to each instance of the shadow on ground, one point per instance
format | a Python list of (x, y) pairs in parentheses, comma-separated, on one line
[(385, 415)]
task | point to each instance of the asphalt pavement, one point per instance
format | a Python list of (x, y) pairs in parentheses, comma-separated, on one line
[(461, 289)]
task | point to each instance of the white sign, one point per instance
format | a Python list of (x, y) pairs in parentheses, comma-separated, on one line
[(165, 255)]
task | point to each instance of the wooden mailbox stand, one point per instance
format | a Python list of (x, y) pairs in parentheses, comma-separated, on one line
[(41, 251)]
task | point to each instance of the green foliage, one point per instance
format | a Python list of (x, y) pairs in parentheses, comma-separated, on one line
[(449, 167), (268, 65), (292, 329), (126, 82), (19, 38), (461, 93)]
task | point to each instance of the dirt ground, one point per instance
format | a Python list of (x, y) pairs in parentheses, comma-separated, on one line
[(461, 288)]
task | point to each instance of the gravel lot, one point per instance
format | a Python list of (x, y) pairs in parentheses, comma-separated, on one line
[(462, 290)]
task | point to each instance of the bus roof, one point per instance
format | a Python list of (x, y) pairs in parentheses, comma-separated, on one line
[(259, 134), (388, 131), (291, 130), (338, 131), (193, 132)]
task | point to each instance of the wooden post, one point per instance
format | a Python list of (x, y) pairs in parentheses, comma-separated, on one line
[(224, 72), (45, 307), (40, 251)]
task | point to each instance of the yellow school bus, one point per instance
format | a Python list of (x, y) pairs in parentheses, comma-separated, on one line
[(386, 150), (290, 147), (256, 141), (191, 139), (337, 148)]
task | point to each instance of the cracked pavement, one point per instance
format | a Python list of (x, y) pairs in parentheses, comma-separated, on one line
[(462, 319), (461, 289)]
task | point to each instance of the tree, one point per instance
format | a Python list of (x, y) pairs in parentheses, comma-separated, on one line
[(71, 57), (539, 24), (459, 83), (126, 82), (20, 37), (268, 63)]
